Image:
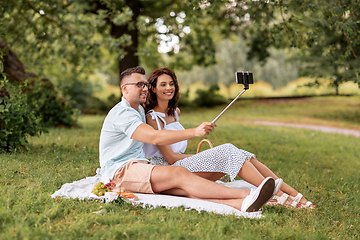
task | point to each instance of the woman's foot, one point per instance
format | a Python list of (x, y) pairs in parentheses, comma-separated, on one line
[(283, 199), (300, 202), (286, 200)]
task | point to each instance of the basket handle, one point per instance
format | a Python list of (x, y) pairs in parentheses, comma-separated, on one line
[(201, 142)]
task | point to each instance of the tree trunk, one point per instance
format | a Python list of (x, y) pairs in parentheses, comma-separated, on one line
[(130, 59), (17, 71), (4, 93), (13, 67)]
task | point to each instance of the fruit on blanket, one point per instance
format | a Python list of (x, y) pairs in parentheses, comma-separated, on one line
[(99, 189), (112, 187), (121, 191), (129, 195)]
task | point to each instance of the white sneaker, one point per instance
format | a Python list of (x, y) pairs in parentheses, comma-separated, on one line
[(278, 183), (258, 197)]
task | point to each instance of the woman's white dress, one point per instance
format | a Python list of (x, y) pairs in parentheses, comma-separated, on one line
[(225, 158)]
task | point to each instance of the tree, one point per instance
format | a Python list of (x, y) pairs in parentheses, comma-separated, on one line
[(41, 97), (70, 35), (17, 119), (278, 69), (60, 45), (73, 34), (326, 32)]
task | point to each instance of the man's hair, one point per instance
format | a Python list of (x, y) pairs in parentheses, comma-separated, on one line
[(152, 100), (130, 71)]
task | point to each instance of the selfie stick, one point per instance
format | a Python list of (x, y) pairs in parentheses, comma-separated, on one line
[(244, 78), (214, 121)]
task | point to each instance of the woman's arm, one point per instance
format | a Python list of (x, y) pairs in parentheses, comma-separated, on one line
[(170, 156)]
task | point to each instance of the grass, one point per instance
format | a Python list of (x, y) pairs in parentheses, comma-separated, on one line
[(322, 166)]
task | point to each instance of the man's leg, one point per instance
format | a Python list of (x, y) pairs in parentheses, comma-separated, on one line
[(170, 177), (173, 178)]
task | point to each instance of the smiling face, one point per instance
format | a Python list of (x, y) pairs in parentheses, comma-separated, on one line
[(131, 92), (165, 88)]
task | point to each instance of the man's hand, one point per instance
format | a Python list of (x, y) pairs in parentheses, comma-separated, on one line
[(204, 129)]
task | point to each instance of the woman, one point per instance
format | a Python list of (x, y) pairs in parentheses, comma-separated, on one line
[(162, 113)]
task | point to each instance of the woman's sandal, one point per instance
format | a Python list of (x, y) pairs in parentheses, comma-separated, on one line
[(296, 202), (279, 200), (308, 205)]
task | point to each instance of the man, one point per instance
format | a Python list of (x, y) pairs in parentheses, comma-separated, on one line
[(123, 161)]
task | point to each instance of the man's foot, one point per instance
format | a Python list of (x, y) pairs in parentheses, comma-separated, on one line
[(258, 197)]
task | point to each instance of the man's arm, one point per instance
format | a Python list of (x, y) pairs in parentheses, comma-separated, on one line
[(147, 134)]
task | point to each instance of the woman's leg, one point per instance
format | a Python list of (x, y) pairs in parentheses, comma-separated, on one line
[(214, 163), (250, 174), (229, 153), (266, 172), (212, 176)]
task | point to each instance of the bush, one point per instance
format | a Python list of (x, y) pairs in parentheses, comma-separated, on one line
[(98, 106), (17, 120), (209, 98), (53, 110), (78, 91)]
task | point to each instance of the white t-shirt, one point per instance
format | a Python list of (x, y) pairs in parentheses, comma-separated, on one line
[(116, 147), (179, 147)]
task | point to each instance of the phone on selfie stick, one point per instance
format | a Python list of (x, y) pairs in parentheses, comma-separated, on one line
[(244, 78)]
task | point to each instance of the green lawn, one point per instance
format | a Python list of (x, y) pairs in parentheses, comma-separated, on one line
[(324, 167)]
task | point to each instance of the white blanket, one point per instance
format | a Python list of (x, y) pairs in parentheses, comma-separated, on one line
[(82, 190)]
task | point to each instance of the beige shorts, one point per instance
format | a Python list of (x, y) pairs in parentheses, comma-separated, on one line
[(134, 176)]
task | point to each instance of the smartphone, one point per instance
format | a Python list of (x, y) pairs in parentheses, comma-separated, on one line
[(244, 78)]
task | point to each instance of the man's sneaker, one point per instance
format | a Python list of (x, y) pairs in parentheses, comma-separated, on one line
[(258, 197), (278, 183)]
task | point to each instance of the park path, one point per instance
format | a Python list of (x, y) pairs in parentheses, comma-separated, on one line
[(327, 129)]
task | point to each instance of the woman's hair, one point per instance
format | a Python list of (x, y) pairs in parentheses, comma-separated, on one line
[(152, 100)]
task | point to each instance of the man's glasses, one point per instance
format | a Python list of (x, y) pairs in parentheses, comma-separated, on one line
[(140, 84)]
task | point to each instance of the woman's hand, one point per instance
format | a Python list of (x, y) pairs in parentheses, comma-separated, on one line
[(204, 129)]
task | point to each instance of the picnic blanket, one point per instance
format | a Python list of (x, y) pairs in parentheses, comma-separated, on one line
[(81, 189)]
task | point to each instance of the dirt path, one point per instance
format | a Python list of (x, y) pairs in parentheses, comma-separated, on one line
[(327, 129)]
